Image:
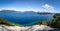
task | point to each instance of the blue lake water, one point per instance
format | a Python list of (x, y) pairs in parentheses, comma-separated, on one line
[(25, 19)]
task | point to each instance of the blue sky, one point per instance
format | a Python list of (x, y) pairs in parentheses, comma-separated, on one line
[(31, 5)]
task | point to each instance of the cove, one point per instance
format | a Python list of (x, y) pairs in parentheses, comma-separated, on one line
[(25, 18)]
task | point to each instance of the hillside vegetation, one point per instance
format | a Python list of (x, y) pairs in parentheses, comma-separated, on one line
[(55, 23), (5, 22)]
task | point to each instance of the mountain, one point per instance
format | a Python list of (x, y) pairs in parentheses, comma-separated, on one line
[(26, 12), (7, 11), (44, 13)]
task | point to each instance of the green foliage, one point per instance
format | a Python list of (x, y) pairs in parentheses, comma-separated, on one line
[(42, 22), (5, 22), (55, 23)]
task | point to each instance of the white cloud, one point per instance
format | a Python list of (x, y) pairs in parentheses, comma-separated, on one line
[(48, 8), (0, 9)]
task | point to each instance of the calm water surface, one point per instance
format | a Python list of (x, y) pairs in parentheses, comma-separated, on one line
[(25, 19)]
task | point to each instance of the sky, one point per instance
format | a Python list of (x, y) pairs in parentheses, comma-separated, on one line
[(31, 5)]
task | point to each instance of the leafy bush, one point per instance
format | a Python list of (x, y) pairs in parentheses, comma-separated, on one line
[(42, 23), (5, 22), (55, 23)]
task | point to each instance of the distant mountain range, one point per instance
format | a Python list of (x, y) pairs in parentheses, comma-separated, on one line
[(26, 12), (7, 11), (29, 12)]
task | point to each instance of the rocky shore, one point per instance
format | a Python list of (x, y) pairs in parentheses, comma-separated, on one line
[(28, 28)]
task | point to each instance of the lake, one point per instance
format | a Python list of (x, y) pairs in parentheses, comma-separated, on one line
[(25, 18)]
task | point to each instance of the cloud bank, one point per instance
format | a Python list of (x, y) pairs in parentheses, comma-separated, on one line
[(48, 8), (45, 7)]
